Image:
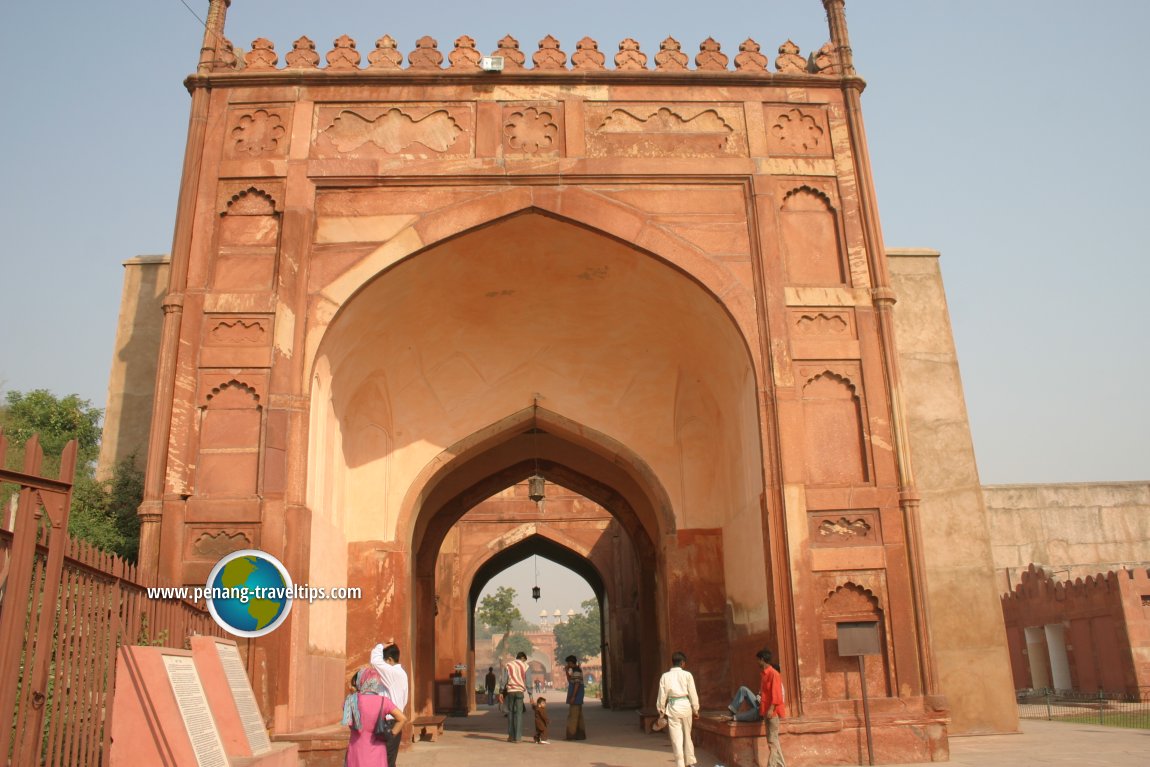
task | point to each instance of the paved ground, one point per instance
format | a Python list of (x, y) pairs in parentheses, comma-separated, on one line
[(614, 740)]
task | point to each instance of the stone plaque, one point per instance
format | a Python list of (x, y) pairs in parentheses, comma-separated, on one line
[(250, 717), (193, 703)]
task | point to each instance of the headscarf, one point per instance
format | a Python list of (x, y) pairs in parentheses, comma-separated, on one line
[(365, 681)]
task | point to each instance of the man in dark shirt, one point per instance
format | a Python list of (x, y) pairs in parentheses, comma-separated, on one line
[(489, 683)]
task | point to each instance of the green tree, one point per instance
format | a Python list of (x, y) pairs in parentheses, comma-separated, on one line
[(103, 511), (517, 643), (57, 420), (581, 635), (499, 614)]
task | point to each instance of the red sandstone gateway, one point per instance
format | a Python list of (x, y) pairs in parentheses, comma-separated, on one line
[(397, 291)]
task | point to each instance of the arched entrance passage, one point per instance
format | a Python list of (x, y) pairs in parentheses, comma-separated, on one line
[(589, 464), (430, 377), (542, 544)]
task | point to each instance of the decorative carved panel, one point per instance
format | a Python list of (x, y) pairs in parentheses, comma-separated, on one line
[(532, 130), (675, 130), (844, 528), (835, 323), (249, 198), (257, 132), (213, 543), (238, 331), (797, 132), (401, 130), (235, 342)]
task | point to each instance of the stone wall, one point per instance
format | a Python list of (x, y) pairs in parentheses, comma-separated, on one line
[(1072, 530), (132, 379), (966, 624), (1086, 635)]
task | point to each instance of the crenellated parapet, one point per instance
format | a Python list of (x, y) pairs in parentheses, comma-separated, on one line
[(1037, 587), (510, 59)]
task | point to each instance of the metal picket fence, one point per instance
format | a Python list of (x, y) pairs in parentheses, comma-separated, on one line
[(65, 608), (1129, 709)]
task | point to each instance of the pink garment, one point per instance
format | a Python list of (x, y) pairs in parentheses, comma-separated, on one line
[(365, 749)]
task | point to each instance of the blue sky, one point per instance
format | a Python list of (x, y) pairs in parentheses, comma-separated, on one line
[(1004, 134)]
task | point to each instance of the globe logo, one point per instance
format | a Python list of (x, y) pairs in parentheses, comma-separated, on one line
[(249, 593)]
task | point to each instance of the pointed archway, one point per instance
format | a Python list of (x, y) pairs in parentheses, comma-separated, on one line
[(591, 465), (512, 548), (426, 388)]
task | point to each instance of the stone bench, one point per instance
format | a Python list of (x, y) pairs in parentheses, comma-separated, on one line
[(744, 744), (427, 727)]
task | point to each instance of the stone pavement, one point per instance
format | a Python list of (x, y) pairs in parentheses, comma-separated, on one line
[(614, 740)]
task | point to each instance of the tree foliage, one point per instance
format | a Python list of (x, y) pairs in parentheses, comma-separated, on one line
[(581, 635), (517, 643), (498, 611), (103, 511), (498, 614), (57, 420)]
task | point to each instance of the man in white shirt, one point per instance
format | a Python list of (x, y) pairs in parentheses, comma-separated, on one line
[(385, 659), (679, 702)]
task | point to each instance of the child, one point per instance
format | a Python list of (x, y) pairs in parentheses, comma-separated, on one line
[(541, 721)]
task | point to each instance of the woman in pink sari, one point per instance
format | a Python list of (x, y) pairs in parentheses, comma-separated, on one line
[(361, 710)]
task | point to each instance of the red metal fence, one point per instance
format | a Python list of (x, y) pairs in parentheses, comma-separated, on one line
[(65, 607)]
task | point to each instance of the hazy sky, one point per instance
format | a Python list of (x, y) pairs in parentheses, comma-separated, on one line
[(1004, 134)]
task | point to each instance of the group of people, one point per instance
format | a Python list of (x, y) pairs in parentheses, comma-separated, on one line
[(379, 693), (678, 705), (514, 687)]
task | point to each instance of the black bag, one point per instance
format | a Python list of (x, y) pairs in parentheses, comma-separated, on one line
[(383, 726)]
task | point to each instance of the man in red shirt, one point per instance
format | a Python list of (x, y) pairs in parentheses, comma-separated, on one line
[(769, 704)]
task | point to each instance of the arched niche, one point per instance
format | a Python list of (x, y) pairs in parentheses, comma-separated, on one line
[(852, 603), (811, 242), (833, 430)]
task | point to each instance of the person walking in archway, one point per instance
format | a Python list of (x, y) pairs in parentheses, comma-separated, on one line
[(678, 701), (514, 686), (489, 683), (576, 728)]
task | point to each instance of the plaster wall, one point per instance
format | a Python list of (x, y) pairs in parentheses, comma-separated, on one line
[(962, 596), (1072, 530)]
